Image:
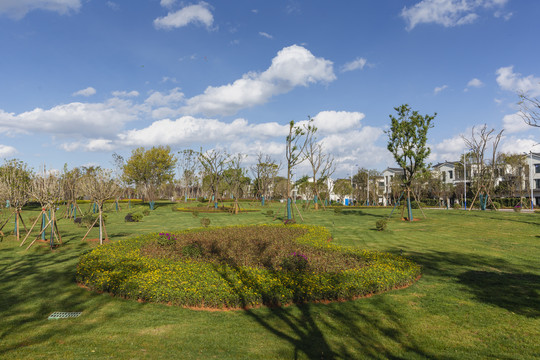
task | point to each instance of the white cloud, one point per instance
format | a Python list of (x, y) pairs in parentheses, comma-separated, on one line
[(511, 81), (448, 149), (329, 122), (157, 98), (197, 14), (74, 119), (448, 13), (293, 66), (89, 91), (188, 130), (438, 89), (133, 93), (514, 123), (167, 3), (7, 151), (266, 35), (114, 6), (19, 8), (514, 145), (475, 83), (358, 63)]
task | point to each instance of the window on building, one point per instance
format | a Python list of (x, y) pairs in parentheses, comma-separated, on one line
[(537, 183), (537, 168), (450, 174), (444, 176)]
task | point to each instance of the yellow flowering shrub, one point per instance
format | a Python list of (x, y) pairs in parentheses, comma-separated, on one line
[(125, 269)]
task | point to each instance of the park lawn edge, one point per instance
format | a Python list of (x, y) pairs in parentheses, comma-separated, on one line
[(120, 269)]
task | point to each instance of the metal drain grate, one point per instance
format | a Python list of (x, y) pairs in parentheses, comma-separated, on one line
[(64, 315)]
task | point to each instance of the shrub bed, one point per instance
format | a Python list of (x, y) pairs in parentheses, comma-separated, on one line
[(242, 266), (205, 209)]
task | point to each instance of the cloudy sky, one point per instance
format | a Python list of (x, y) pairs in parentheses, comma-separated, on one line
[(81, 79)]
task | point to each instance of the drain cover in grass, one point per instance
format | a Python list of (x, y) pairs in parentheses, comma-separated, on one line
[(64, 315)]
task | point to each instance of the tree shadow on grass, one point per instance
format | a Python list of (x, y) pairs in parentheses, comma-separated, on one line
[(331, 331), (517, 292), (35, 284), (491, 280), (360, 213)]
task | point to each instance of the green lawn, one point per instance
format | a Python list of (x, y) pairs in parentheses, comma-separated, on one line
[(479, 297)]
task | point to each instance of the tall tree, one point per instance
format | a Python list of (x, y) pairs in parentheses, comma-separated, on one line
[(188, 169), (407, 141), (235, 178), (342, 187), (149, 169)]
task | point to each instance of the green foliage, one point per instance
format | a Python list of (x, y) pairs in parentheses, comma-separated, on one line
[(90, 219), (129, 269), (146, 212), (338, 210), (133, 217), (166, 239), (457, 206), (193, 251), (195, 213), (497, 205), (381, 224), (407, 140), (270, 212), (148, 169), (205, 222)]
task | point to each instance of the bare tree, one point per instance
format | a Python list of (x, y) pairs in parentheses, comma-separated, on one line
[(322, 165), (214, 162), (16, 178), (483, 170), (264, 174), (99, 185), (529, 109), (234, 176), (188, 169)]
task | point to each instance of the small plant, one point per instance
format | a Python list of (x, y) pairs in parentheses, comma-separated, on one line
[(295, 262), (289, 221), (517, 208), (194, 250), (457, 206), (146, 212), (133, 217), (195, 213), (496, 205), (270, 212), (381, 224), (205, 222), (90, 219), (166, 239), (338, 210)]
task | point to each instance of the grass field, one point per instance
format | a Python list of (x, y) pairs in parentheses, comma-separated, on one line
[(479, 297)]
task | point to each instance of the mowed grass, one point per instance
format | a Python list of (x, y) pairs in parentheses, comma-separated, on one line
[(479, 296)]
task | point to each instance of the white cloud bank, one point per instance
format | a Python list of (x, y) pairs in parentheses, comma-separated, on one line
[(293, 66), (7, 151), (447, 13), (19, 8), (438, 89), (197, 14)]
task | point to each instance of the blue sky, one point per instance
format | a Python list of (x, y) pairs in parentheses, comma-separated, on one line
[(81, 79)]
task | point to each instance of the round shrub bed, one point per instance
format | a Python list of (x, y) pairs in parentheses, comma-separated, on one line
[(241, 266)]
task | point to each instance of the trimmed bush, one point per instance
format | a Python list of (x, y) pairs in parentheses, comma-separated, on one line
[(381, 224), (133, 217), (241, 266), (146, 212), (457, 206), (205, 222)]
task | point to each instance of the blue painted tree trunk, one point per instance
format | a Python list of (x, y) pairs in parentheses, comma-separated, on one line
[(43, 220), (289, 212), (409, 208), (262, 199)]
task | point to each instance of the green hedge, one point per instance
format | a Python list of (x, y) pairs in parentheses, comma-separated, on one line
[(119, 268)]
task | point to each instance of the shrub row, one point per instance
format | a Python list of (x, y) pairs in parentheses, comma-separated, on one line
[(121, 269)]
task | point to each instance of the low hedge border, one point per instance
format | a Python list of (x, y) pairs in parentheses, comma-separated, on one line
[(119, 268), (213, 210)]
